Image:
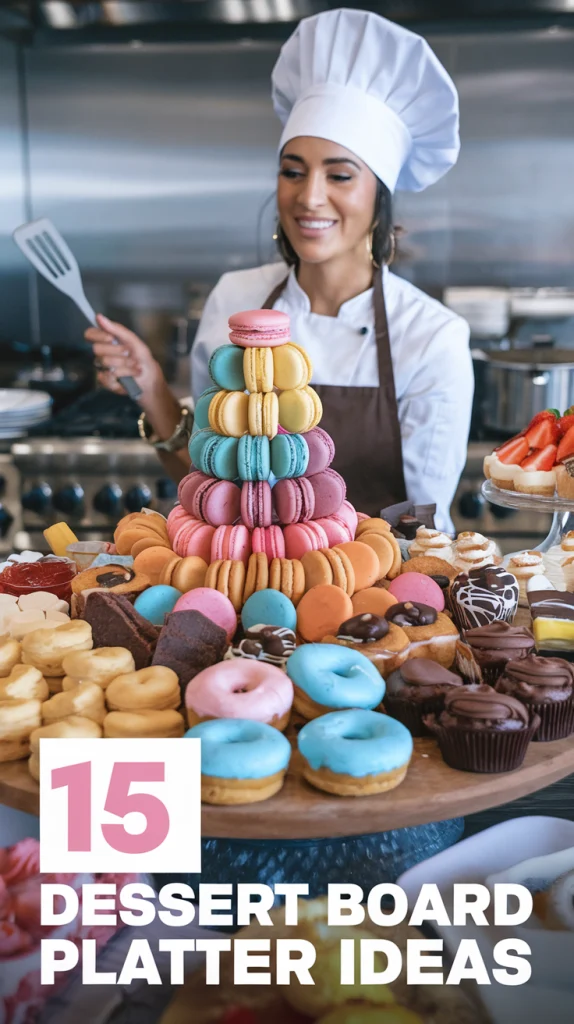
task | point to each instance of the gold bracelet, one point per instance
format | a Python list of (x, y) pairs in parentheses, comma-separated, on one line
[(179, 439)]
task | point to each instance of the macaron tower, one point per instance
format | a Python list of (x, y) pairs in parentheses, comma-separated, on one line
[(260, 493)]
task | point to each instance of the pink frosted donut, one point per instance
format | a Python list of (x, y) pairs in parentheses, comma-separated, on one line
[(268, 540), (240, 688)]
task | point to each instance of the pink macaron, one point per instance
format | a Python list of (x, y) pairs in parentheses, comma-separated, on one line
[(336, 529), (231, 542), (303, 537), (330, 490), (188, 487), (256, 506), (217, 502), (259, 328), (413, 586), (213, 605), (351, 516), (193, 538), (175, 519), (294, 500), (321, 450), (268, 540)]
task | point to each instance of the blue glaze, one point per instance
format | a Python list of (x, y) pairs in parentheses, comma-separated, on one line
[(269, 608), (197, 441), (355, 742), (156, 602), (125, 560), (218, 457), (253, 458), (336, 676), (226, 368), (289, 455), (235, 748), (201, 411)]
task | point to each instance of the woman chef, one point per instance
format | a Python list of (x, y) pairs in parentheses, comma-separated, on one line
[(367, 108)]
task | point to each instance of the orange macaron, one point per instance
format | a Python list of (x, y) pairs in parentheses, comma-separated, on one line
[(364, 561), (375, 600), (189, 573), (151, 561), (322, 610)]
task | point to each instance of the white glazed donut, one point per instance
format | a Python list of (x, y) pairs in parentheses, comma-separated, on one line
[(100, 665), (151, 689), (24, 683)]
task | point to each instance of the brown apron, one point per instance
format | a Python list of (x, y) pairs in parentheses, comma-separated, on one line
[(364, 424)]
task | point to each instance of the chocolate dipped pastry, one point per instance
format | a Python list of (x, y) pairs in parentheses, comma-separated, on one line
[(116, 579), (552, 614), (431, 633), (416, 689), (545, 686), (273, 644), (489, 594), (485, 650), (384, 643), (481, 730)]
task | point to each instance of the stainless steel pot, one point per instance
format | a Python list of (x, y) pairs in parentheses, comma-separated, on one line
[(518, 384)]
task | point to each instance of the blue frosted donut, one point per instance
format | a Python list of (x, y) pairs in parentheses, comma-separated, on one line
[(332, 676), (356, 743), (236, 748)]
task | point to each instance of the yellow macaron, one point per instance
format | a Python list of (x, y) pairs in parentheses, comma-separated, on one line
[(228, 413), (263, 414), (258, 369), (300, 409), (291, 367)]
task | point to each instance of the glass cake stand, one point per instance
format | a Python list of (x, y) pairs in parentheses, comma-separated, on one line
[(561, 509)]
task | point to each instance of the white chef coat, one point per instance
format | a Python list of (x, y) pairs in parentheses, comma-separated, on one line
[(431, 363)]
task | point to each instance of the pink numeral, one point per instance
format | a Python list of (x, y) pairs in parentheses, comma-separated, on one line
[(120, 801), (78, 779)]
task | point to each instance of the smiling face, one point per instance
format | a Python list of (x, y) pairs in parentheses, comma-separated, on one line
[(326, 200)]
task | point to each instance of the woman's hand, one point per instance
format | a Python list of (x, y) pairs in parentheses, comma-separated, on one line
[(120, 353)]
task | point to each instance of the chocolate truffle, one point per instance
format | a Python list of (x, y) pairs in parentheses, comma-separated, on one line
[(411, 613), (363, 629), (491, 648), (545, 687), (482, 596), (273, 644), (416, 689)]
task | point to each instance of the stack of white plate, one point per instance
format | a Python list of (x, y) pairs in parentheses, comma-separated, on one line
[(21, 409), (487, 310)]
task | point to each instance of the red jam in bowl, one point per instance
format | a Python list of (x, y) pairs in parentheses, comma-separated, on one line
[(54, 576)]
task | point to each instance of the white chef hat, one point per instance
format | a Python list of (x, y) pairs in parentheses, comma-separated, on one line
[(365, 83)]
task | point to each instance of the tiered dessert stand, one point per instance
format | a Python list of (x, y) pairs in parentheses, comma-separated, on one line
[(561, 509)]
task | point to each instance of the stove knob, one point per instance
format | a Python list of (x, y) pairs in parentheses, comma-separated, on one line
[(70, 499), (37, 498), (137, 497), (6, 520), (166, 489), (471, 505), (108, 500)]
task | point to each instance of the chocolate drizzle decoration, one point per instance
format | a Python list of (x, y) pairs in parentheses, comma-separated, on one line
[(107, 580), (273, 644), (411, 613)]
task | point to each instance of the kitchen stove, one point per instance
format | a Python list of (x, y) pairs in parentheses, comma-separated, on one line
[(89, 482)]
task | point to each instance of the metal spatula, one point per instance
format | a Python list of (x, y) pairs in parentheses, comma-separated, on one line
[(43, 245)]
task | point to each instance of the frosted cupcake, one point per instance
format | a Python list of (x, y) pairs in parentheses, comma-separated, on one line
[(474, 551), (524, 566), (432, 543)]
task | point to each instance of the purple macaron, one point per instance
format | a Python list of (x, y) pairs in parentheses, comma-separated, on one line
[(330, 490), (294, 500), (216, 502), (256, 504), (321, 450)]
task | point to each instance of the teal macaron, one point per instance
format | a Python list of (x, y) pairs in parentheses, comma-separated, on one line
[(253, 458), (289, 456), (156, 602), (201, 411), (226, 368), (268, 608), (218, 457), (196, 443)]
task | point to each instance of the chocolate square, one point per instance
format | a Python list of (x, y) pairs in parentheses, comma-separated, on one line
[(115, 623), (188, 643)]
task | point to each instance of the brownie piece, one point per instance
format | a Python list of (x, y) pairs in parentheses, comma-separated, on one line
[(188, 643), (115, 623)]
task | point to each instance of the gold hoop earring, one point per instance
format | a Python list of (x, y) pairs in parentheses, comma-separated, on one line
[(391, 255)]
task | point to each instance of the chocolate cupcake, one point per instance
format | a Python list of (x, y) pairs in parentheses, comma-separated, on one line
[(486, 650), (481, 596), (481, 730), (416, 689), (431, 633), (545, 686)]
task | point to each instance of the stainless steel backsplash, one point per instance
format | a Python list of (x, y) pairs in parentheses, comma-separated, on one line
[(156, 163)]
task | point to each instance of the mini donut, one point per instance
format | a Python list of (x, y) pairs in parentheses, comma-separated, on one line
[(24, 683), (239, 688), (144, 725), (355, 752), (327, 677), (151, 689), (242, 762), (13, 750), (18, 718), (46, 648), (10, 655), (100, 666), (85, 700), (74, 728)]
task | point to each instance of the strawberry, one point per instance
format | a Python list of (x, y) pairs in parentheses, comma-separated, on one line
[(566, 446), (545, 431), (566, 421), (542, 459), (514, 451)]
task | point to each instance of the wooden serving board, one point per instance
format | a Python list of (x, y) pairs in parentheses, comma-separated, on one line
[(430, 792)]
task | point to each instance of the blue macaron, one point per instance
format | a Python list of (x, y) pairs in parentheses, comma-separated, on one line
[(218, 457), (268, 608), (289, 455), (253, 458), (226, 368), (201, 411), (156, 602)]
